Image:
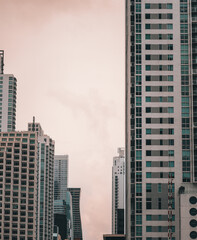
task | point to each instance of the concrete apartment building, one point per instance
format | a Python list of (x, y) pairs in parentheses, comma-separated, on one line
[(161, 119), (118, 192)]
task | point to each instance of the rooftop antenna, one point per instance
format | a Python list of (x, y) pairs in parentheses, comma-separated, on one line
[(33, 125)]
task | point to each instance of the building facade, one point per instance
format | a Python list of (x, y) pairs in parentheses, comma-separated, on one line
[(18, 185), (118, 193), (161, 117), (77, 226)]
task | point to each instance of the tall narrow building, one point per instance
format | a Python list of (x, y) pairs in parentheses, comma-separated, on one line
[(118, 192), (8, 85), (45, 180), (60, 176), (60, 190), (161, 119)]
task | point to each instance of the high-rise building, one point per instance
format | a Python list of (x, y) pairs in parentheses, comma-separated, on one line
[(118, 193), (45, 183), (18, 185), (60, 189), (161, 119), (8, 86), (60, 176), (77, 228)]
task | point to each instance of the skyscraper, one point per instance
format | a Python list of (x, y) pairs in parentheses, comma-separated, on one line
[(77, 228), (60, 176), (118, 193), (161, 119), (18, 185), (7, 98), (60, 189), (45, 180)]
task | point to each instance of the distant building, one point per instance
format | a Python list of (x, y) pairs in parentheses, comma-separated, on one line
[(118, 193), (60, 189), (114, 237), (60, 176), (8, 87), (77, 228)]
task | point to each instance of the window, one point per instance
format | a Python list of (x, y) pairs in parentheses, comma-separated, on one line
[(148, 203), (148, 36), (148, 228), (148, 217), (171, 163), (138, 189), (147, 6), (148, 131), (138, 230), (138, 80), (148, 187), (138, 101), (148, 175), (138, 155), (148, 163), (159, 187), (138, 219)]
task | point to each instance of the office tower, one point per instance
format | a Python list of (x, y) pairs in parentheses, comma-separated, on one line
[(161, 119), (7, 99), (118, 193), (77, 228), (60, 176), (45, 183), (18, 185)]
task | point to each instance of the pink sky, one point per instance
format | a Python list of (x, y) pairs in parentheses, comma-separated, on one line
[(68, 57)]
